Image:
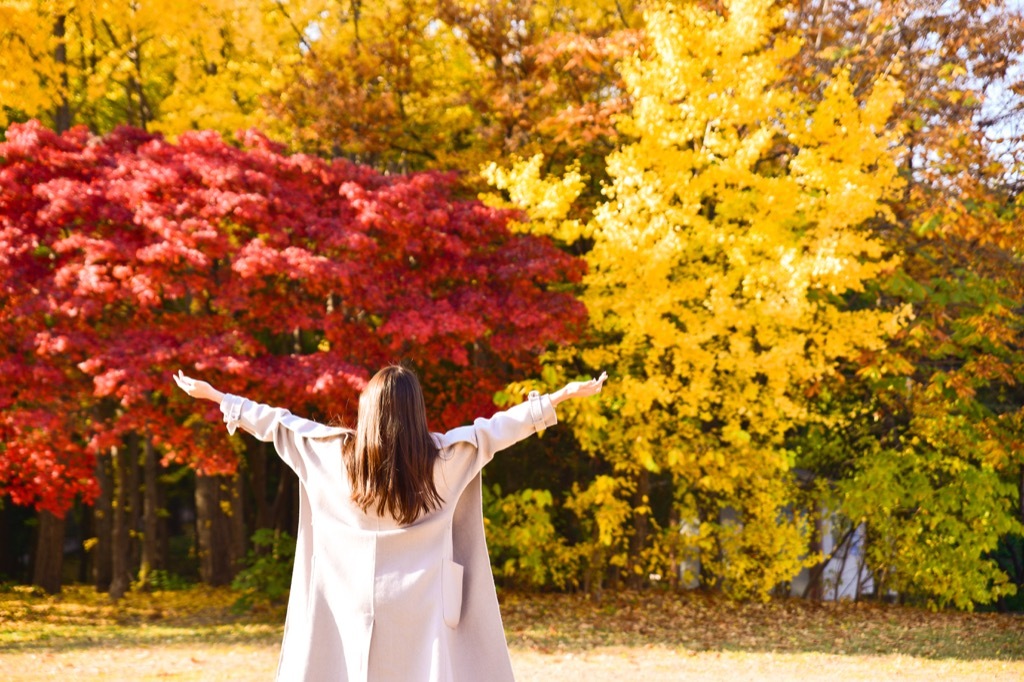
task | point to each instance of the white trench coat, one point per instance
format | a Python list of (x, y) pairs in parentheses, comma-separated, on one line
[(374, 601)]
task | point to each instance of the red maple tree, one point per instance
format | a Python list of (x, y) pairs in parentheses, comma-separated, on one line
[(287, 277)]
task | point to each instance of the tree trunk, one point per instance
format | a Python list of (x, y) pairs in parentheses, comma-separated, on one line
[(137, 82), (151, 559), (13, 541), (239, 534), (163, 531), (1016, 545), (206, 503), (638, 540), (85, 532), (1020, 496), (258, 484), (62, 116), (815, 583), (285, 500), (7, 547), (49, 557), (134, 503), (674, 560), (220, 528), (102, 515), (120, 545)]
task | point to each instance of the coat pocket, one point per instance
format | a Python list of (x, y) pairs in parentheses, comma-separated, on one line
[(451, 592)]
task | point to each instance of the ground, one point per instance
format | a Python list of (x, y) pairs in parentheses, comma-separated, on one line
[(653, 636)]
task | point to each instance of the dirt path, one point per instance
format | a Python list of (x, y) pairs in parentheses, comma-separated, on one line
[(664, 665), (254, 662)]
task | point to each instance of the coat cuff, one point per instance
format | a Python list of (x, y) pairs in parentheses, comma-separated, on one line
[(541, 411), (231, 408)]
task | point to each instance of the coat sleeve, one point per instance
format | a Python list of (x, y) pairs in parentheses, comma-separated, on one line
[(277, 425), (506, 428)]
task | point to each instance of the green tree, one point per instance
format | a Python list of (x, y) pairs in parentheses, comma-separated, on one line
[(925, 445)]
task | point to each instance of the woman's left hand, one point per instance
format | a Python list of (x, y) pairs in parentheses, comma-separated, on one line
[(579, 389), (196, 388)]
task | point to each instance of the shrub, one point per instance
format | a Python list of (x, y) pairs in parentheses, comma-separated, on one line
[(267, 575), (525, 548)]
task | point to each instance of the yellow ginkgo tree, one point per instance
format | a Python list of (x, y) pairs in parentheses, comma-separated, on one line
[(149, 64), (726, 279)]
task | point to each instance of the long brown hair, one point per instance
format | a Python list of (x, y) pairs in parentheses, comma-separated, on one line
[(391, 462)]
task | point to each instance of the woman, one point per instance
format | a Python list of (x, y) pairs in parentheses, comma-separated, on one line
[(391, 580)]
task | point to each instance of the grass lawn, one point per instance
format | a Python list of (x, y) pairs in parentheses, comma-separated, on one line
[(194, 635)]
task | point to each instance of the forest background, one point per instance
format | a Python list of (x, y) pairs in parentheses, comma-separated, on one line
[(790, 232)]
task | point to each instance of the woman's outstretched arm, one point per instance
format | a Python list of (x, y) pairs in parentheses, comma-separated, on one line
[(289, 434), (510, 426)]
